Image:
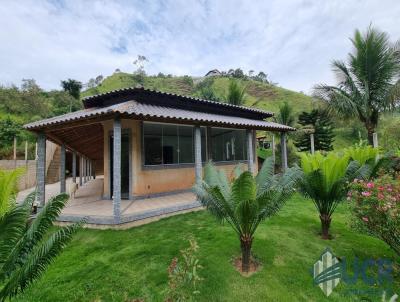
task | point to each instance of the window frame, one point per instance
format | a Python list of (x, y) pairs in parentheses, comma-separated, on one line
[(208, 149)]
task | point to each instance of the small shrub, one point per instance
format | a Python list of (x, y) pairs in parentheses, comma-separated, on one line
[(188, 80), (376, 205), (183, 275)]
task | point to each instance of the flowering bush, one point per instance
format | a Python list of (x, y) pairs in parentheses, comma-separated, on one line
[(376, 204)]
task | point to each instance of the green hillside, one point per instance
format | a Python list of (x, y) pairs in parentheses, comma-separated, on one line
[(260, 95)]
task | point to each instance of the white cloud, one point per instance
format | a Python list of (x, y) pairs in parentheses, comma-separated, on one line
[(293, 41)]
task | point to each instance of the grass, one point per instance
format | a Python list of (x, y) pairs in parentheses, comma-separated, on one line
[(113, 265)]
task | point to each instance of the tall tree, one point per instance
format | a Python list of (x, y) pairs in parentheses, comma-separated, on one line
[(322, 126), (285, 115), (73, 87), (369, 81), (236, 94)]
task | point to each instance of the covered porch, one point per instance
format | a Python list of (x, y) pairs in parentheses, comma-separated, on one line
[(90, 205)]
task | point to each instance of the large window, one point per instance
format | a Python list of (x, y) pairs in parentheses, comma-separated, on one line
[(166, 144), (228, 144)]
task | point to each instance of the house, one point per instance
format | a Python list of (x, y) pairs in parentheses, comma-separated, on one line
[(148, 143), (213, 73)]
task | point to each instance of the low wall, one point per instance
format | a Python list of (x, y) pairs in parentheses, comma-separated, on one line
[(28, 180)]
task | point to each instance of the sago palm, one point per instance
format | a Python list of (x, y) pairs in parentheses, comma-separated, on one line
[(325, 180), (28, 246), (246, 201), (370, 161), (369, 83)]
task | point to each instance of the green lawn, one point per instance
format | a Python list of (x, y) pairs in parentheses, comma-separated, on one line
[(123, 265)]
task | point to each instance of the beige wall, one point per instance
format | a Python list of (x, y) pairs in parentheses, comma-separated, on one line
[(152, 181), (28, 179)]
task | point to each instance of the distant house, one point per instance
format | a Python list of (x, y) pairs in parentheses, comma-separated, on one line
[(213, 73), (145, 143)]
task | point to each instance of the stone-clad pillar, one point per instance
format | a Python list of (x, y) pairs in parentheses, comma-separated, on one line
[(284, 151), (84, 169), (62, 169), (74, 167), (80, 171), (197, 154), (250, 151), (117, 170), (41, 169)]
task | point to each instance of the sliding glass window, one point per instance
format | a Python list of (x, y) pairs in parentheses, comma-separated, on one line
[(228, 144), (168, 144)]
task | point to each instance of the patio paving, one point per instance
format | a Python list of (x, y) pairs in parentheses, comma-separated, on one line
[(89, 204)]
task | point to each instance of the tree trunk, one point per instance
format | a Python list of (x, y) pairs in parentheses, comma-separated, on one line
[(325, 224), (370, 131), (245, 244)]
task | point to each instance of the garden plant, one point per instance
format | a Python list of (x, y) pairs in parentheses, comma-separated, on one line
[(376, 205), (325, 181), (27, 245), (246, 201)]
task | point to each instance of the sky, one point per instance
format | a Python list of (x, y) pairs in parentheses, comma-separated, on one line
[(294, 42)]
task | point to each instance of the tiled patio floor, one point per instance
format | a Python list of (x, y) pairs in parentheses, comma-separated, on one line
[(89, 204)]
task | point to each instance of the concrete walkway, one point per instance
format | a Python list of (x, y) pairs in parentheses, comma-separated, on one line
[(98, 212)]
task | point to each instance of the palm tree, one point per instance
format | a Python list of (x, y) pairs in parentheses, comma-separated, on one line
[(285, 115), (236, 94), (369, 82), (27, 247), (325, 180), (247, 201)]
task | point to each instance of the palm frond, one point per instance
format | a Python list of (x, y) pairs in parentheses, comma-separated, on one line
[(35, 232), (12, 228), (8, 188), (244, 188), (265, 176), (37, 262)]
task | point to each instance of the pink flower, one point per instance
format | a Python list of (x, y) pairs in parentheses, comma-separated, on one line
[(365, 219), (366, 194), (381, 196), (370, 185)]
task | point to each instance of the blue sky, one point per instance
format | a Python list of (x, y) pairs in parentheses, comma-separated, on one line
[(292, 41)]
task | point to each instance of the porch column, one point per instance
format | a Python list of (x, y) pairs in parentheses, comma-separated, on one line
[(62, 169), (89, 169), (74, 167), (197, 154), (250, 151), (80, 171), (41, 169), (117, 170), (84, 170), (284, 151)]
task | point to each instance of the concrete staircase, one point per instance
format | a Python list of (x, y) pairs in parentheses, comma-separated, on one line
[(53, 171)]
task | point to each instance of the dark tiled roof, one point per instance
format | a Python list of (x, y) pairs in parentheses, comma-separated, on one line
[(134, 92), (140, 110)]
